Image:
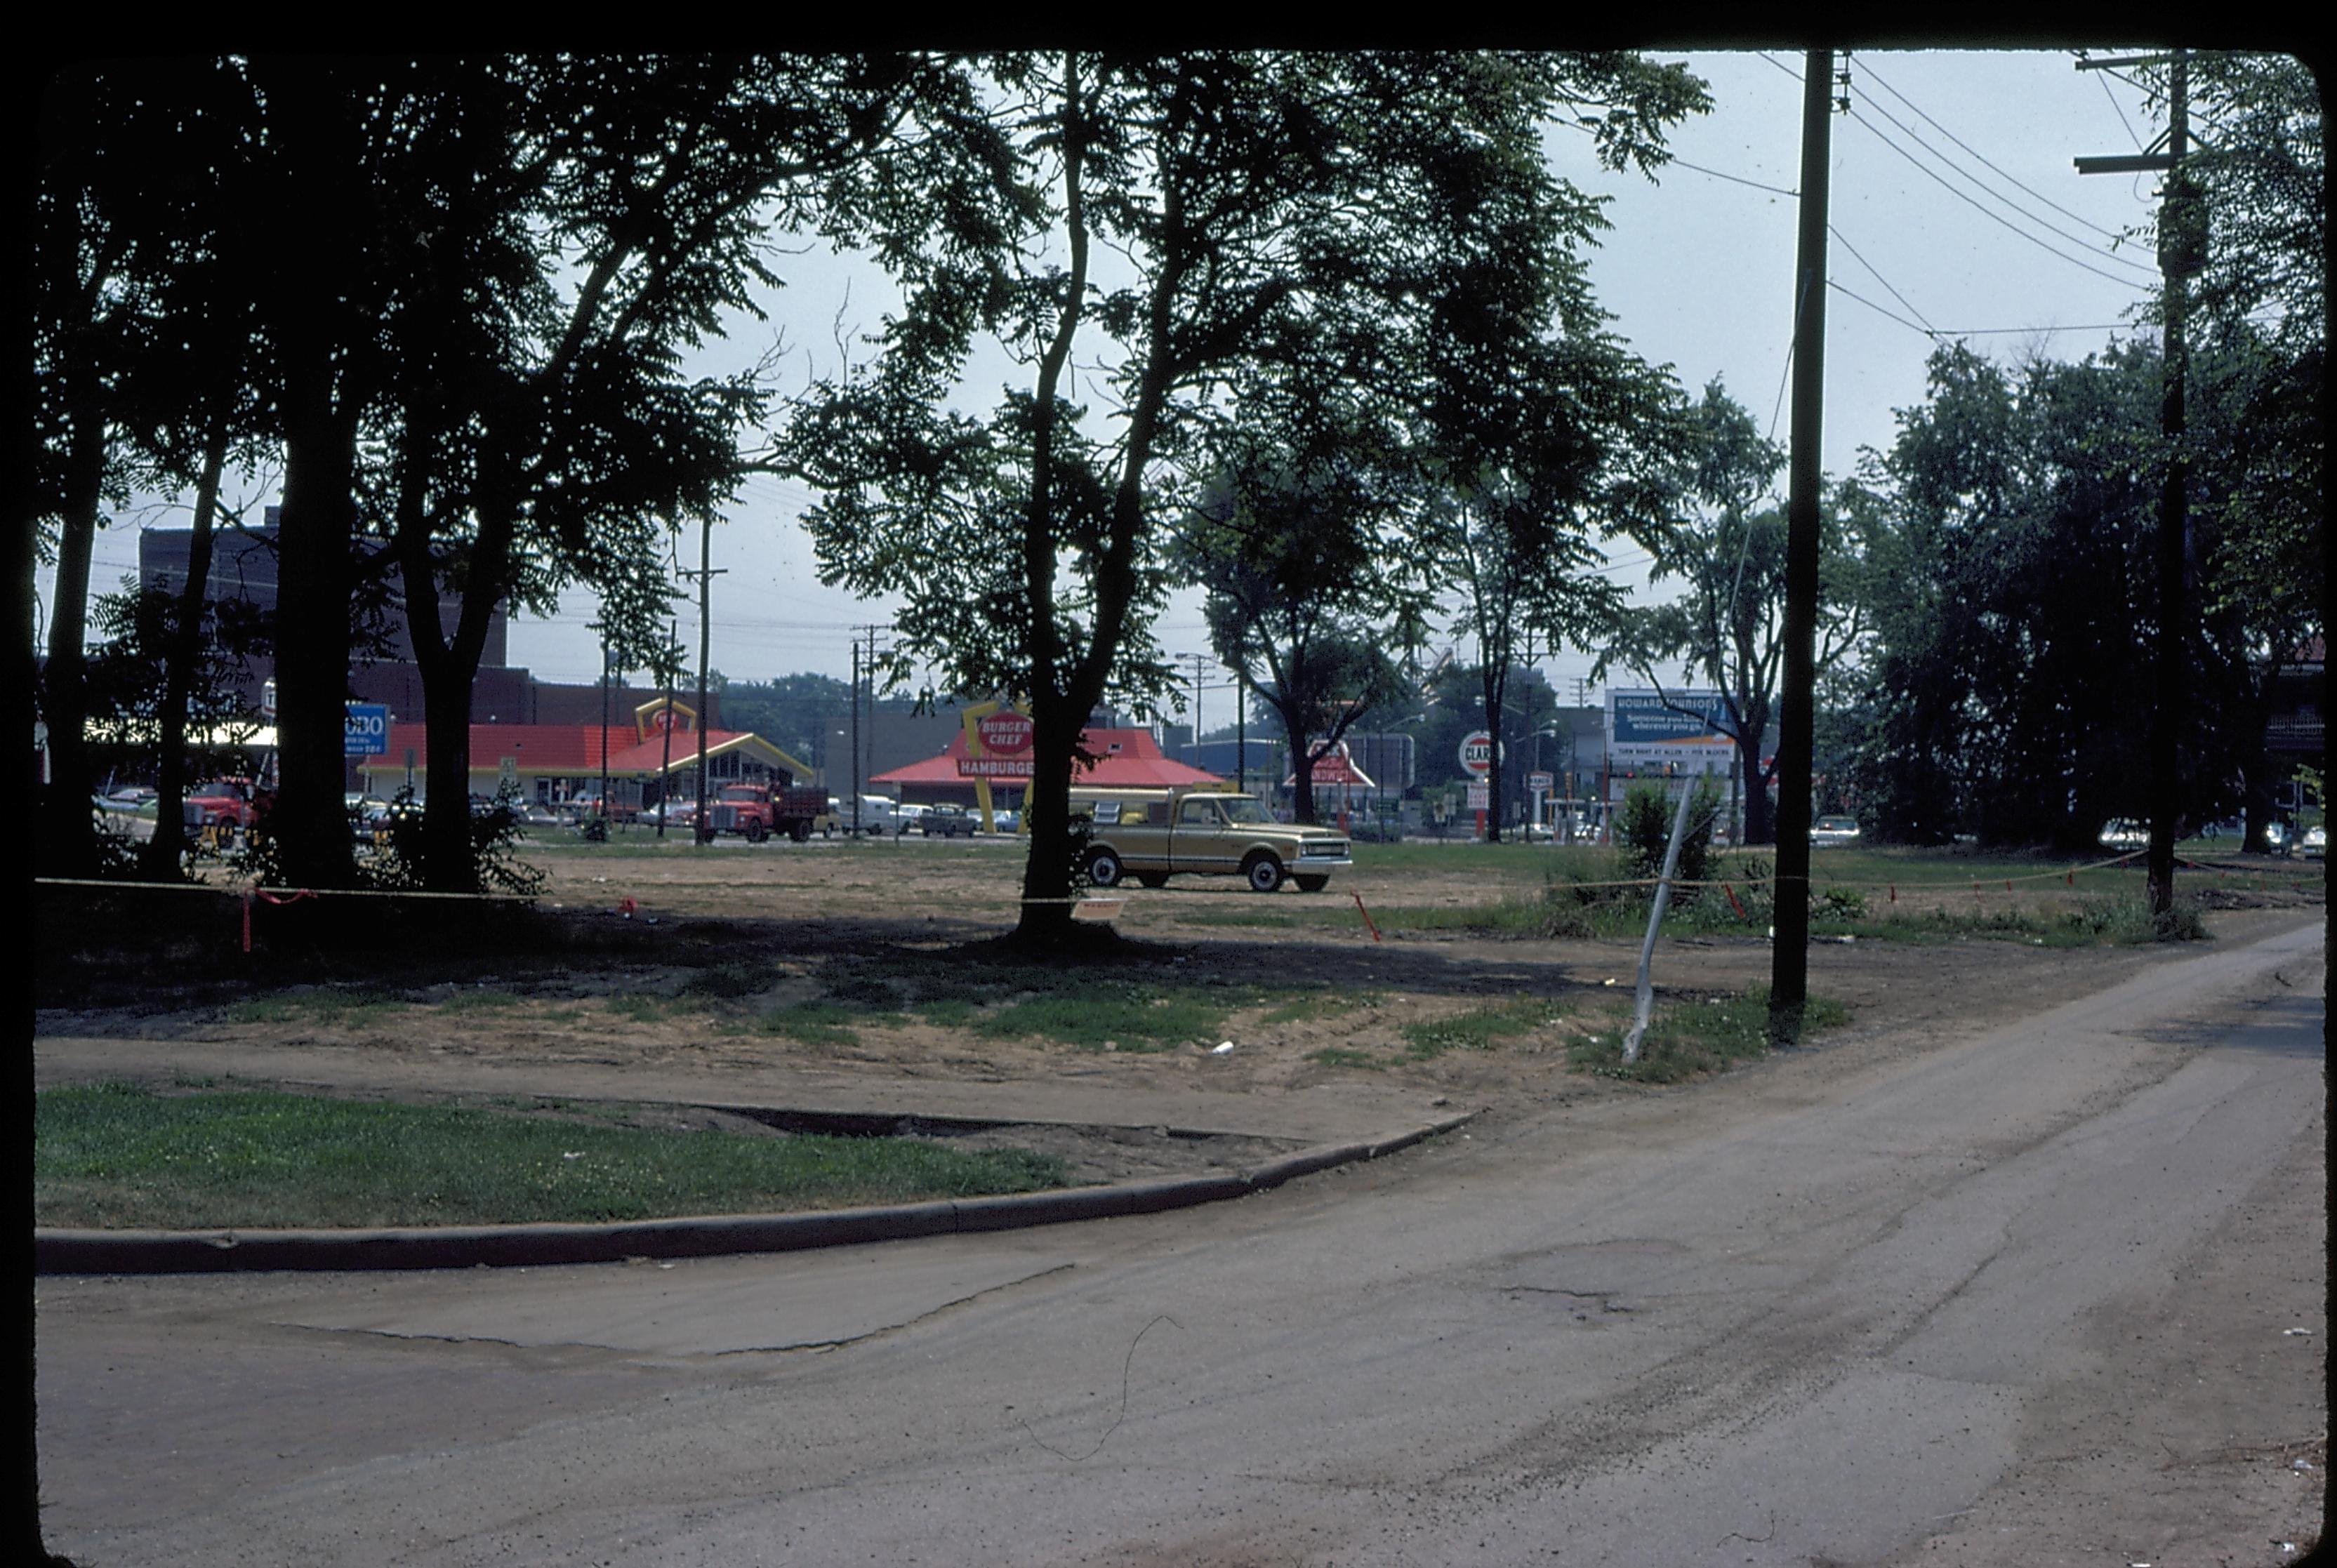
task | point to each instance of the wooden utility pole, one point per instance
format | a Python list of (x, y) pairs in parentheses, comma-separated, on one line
[(856, 737), (859, 666), (706, 575), (2181, 249), (665, 726), (1789, 970)]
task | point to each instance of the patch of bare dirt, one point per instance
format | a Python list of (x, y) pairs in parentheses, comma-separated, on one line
[(645, 947)]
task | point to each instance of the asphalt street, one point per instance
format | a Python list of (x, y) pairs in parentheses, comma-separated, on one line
[(1804, 1314)]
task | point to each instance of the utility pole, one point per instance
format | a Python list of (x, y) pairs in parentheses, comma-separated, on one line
[(2181, 249), (665, 726), (1789, 972), (1198, 660), (861, 667), (603, 735), (1241, 735), (603, 813), (856, 737), (704, 574)]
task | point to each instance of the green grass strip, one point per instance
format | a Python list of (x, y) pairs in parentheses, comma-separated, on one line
[(123, 1156), (1477, 1029)]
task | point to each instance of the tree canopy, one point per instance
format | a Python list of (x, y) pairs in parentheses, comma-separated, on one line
[(1179, 226)]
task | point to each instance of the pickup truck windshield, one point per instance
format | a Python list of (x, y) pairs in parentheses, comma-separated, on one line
[(1242, 809)]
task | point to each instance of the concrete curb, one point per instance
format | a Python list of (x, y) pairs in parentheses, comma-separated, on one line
[(65, 1251)]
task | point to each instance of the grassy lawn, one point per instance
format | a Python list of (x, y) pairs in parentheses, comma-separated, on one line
[(121, 1156)]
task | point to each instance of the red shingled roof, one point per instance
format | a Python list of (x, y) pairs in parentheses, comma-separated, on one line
[(1126, 759), (566, 748)]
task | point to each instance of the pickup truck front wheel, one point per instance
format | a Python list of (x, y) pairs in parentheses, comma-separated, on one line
[(1104, 869), (1263, 873)]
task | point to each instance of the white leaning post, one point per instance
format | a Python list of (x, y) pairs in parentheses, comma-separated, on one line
[(1646, 998)]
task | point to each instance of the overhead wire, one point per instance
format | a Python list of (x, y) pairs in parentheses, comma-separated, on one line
[(1867, 63), (1886, 283), (1998, 218), (1960, 195), (2045, 223)]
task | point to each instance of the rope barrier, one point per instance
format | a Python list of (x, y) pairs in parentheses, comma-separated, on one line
[(237, 890)]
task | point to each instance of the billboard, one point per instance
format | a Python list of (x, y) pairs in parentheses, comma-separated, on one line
[(1682, 725)]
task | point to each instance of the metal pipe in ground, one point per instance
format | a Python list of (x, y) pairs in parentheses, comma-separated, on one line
[(1646, 997)]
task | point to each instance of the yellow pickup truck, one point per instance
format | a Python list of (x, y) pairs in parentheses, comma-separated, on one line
[(1152, 836)]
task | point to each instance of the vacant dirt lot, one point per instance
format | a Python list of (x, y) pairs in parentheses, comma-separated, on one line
[(679, 958)]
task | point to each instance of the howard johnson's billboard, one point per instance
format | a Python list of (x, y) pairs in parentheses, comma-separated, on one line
[(1650, 729)]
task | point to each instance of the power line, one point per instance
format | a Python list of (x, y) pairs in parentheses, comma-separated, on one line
[(2119, 109), (1701, 169), (1737, 179), (1862, 261), (1893, 315), (2042, 245), (1993, 195), (1952, 136)]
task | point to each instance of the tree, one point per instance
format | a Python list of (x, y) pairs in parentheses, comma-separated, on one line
[(1296, 548), (2008, 536), (1258, 210), (1727, 624), (2260, 307), (1539, 435), (595, 218), (98, 233), (800, 714)]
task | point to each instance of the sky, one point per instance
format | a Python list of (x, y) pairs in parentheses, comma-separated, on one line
[(1956, 211)]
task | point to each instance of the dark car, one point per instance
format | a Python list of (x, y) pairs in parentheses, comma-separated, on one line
[(947, 820)]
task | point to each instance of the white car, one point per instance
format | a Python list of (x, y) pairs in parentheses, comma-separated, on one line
[(2316, 843), (2126, 833), (1833, 831)]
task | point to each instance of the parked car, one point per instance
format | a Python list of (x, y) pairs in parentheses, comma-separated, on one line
[(2126, 833), (1006, 822), (1833, 831), (945, 820), (1152, 835), (365, 812), (2316, 843)]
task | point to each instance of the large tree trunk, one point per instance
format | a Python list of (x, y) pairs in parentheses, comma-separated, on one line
[(316, 337), (450, 673), (1046, 919), (1760, 811), (1302, 766), (1496, 693), (448, 863), (67, 842), (161, 856)]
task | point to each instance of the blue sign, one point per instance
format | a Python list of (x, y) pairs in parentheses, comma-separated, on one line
[(1644, 726), (366, 730)]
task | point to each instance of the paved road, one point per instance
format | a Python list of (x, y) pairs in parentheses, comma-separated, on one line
[(1826, 1311)]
